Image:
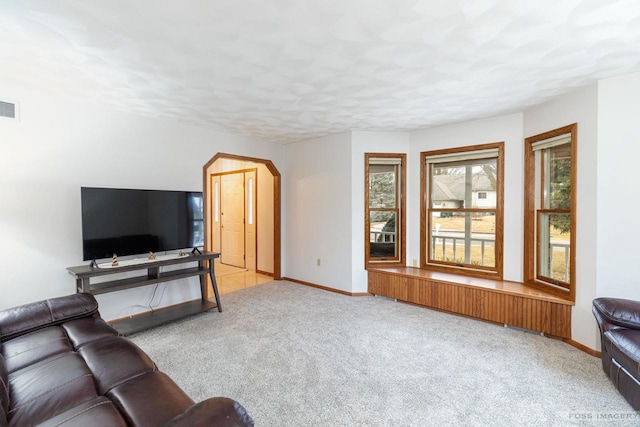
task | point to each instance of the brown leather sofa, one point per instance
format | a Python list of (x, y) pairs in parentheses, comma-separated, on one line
[(61, 364), (619, 322)]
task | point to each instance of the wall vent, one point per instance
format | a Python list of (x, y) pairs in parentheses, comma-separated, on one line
[(8, 109)]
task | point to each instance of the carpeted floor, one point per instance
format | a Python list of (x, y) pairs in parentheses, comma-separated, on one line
[(299, 356)]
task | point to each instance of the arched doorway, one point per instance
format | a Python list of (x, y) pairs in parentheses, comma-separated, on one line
[(208, 201)]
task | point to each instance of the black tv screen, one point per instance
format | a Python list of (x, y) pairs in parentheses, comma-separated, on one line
[(130, 222)]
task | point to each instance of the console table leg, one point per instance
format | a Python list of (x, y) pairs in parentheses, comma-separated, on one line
[(214, 284), (83, 285)]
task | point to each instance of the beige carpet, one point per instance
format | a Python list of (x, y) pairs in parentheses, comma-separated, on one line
[(299, 356)]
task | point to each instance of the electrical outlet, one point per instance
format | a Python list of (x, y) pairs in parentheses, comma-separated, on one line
[(415, 262), (318, 262)]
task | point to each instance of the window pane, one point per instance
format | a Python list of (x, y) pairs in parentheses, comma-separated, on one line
[(382, 234), (463, 238), (216, 202), (382, 186), (470, 184), (250, 201), (558, 182), (554, 247)]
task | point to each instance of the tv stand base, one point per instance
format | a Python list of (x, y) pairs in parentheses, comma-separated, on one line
[(152, 275), (140, 322)]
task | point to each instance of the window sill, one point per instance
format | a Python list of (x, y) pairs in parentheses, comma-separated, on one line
[(464, 271), (383, 264)]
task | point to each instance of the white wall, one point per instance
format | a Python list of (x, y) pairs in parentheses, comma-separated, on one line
[(60, 145), (317, 212), (505, 128), (370, 142), (580, 107), (618, 207)]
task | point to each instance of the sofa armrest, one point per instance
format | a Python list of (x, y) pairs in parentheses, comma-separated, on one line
[(216, 411), (26, 318), (618, 312)]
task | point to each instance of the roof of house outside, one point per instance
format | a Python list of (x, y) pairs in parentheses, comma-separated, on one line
[(452, 187)]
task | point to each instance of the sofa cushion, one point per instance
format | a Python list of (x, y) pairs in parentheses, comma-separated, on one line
[(20, 320), (87, 329), (95, 412), (133, 398), (625, 349), (49, 387), (113, 360), (620, 312), (34, 347), (213, 411)]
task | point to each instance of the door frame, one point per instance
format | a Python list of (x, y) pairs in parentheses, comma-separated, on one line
[(276, 207)]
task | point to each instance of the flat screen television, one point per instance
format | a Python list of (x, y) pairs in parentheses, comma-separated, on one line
[(131, 222)]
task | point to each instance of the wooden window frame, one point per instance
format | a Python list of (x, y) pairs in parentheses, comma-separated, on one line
[(400, 208), (495, 272), (532, 276)]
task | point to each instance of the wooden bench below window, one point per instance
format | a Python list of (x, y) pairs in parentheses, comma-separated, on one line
[(504, 302)]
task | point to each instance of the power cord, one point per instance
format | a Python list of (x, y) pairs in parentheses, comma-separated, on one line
[(152, 297), (155, 289)]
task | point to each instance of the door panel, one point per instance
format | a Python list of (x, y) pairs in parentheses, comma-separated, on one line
[(232, 219)]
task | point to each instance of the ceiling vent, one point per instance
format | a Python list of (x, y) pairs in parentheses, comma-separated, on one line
[(8, 109)]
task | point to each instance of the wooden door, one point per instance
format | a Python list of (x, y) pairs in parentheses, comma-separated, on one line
[(232, 221)]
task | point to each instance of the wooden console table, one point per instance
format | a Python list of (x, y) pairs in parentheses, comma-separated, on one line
[(84, 273)]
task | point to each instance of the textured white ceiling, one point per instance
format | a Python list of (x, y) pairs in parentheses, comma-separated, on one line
[(290, 70)]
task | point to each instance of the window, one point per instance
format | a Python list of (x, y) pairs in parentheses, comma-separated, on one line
[(462, 210), (550, 201), (216, 202), (250, 201), (384, 209)]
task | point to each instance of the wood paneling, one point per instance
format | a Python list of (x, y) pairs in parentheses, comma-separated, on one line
[(495, 301)]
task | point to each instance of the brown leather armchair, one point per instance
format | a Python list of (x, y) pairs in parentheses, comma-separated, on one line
[(61, 364), (619, 322)]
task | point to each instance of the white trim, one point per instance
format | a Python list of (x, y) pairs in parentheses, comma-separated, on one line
[(551, 142), (385, 161), (462, 156)]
